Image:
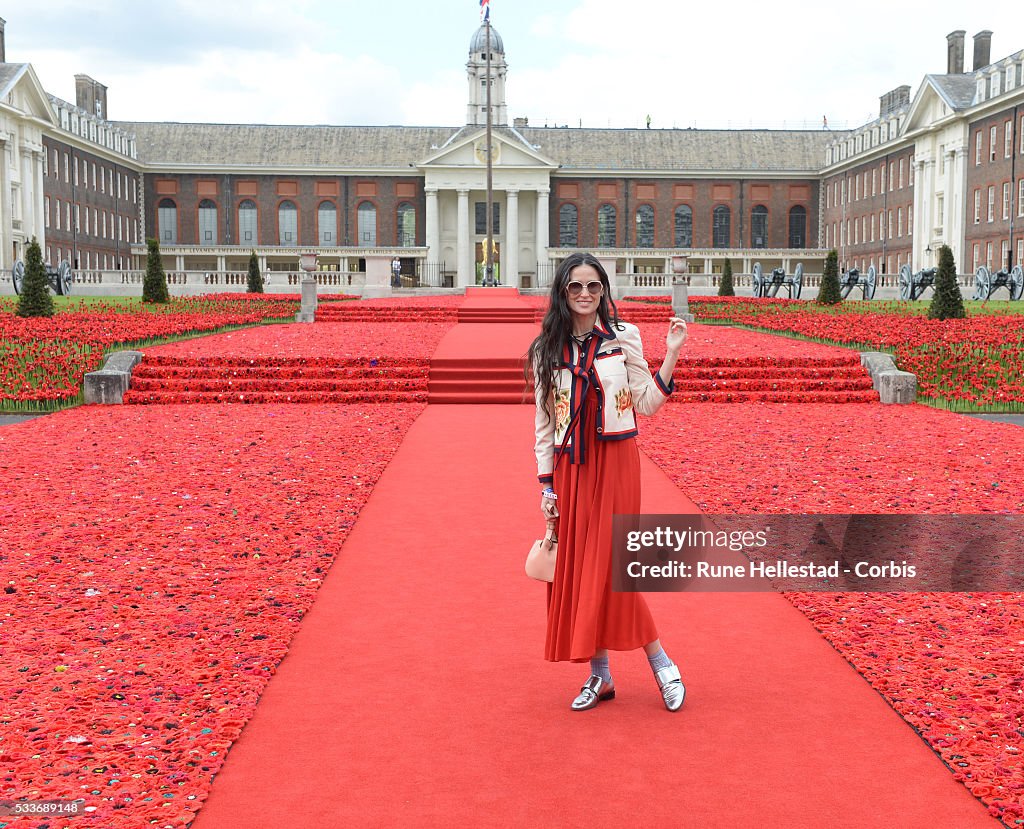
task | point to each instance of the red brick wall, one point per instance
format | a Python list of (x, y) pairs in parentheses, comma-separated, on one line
[(702, 196), (66, 242), (994, 173)]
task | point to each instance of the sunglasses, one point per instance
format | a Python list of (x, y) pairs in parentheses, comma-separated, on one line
[(576, 288)]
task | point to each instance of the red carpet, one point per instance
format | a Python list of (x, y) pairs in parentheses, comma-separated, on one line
[(415, 693), (477, 363)]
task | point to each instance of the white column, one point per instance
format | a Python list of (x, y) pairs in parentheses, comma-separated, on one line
[(463, 249), (542, 228), (433, 226), (510, 276), (957, 206), (6, 249), (38, 207), (26, 195)]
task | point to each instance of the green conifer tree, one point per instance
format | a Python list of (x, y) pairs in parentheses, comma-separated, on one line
[(725, 287), (35, 299), (828, 293), (255, 277), (947, 301), (154, 286)]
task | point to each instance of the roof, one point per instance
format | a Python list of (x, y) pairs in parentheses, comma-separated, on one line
[(9, 74), (328, 147), (226, 145), (684, 150), (958, 90), (479, 41)]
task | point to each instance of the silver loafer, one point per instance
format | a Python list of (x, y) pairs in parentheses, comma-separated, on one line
[(672, 689), (594, 690)]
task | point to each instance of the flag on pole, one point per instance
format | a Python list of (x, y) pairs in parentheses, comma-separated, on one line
[(485, 9)]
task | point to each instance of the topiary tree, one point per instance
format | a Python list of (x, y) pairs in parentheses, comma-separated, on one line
[(154, 286), (35, 299), (725, 287), (255, 277), (828, 293), (947, 302)]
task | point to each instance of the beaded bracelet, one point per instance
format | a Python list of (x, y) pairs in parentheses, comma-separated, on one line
[(549, 493)]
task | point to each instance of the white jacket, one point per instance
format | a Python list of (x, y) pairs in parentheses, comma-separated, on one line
[(613, 361)]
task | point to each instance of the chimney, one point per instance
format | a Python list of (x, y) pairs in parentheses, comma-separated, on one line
[(91, 96), (520, 123), (955, 52), (982, 49), (894, 100), (3, 44)]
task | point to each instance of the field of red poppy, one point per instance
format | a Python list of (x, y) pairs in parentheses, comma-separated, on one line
[(972, 364)]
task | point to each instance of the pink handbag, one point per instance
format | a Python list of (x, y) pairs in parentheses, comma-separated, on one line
[(540, 562)]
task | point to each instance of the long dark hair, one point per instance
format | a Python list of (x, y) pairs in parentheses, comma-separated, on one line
[(556, 329)]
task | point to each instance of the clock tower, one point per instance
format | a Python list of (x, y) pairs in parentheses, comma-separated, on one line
[(476, 68)]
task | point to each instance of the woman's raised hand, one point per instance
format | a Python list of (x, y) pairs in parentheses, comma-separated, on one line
[(676, 335)]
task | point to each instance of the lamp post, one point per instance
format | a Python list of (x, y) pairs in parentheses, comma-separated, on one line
[(307, 307)]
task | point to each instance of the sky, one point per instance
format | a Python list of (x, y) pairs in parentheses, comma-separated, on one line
[(593, 63)]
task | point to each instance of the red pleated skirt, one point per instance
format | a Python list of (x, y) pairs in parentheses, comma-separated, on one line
[(584, 615)]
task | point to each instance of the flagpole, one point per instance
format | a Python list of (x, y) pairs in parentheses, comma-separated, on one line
[(489, 244)]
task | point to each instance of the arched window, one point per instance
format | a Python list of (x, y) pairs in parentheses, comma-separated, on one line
[(247, 223), (287, 224), (720, 227), (684, 226), (327, 224), (367, 225), (759, 227), (798, 227), (606, 234), (645, 226), (207, 222), (167, 221), (568, 226), (406, 225)]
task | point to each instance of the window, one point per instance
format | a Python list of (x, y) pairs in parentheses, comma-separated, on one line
[(891, 226), (910, 172), (991, 203), (828, 196), (207, 222), (977, 206), (481, 218), (75, 165), (366, 220), (288, 223), (881, 225), (940, 211), (327, 224), (1004, 259), (992, 145), (892, 176), (684, 225), (606, 230), (87, 221), (645, 226), (872, 227), (1008, 139), (901, 173), (1006, 200), (1020, 251), (167, 221), (720, 227), (899, 222), (883, 178), (988, 256), (759, 227), (247, 223), (910, 220), (874, 182), (977, 148), (46, 210), (56, 164), (406, 225), (1020, 197), (568, 226), (977, 257)]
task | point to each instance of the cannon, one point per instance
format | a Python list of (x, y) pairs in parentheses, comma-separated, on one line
[(769, 285), (986, 283), (61, 278), (912, 286), (853, 278)]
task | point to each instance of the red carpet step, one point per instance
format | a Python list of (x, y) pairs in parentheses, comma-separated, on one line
[(278, 380), (361, 312), (775, 379), (477, 380)]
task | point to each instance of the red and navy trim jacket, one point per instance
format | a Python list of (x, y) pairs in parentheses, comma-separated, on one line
[(612, 361)]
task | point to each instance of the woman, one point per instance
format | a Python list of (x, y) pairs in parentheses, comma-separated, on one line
[(590, 375)]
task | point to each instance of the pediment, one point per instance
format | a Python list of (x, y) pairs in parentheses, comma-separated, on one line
[(23, 91), (930, 104), (469, 149)]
